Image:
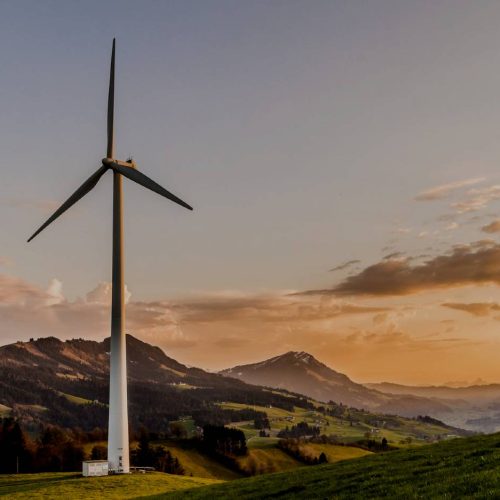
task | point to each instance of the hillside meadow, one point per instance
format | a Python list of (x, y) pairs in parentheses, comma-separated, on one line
[(459, 468)]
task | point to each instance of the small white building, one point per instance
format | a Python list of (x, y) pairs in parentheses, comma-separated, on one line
[(95, 468)]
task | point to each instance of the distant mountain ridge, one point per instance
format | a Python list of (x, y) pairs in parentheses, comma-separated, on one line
[(302, 373), (67, 382), (476, 393), (81, 359), (45, 380)]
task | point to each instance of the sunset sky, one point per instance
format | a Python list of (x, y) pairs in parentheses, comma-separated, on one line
[(342, 158)]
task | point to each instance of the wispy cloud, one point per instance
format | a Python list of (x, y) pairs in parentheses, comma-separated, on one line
[(477, 199), (345, 265), (5, 261), (475, 308), (444, 190), (394, 256), (44, 206)]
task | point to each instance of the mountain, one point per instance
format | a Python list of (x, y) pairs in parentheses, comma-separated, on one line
[(302, 373), (67, 383), (475, 393)]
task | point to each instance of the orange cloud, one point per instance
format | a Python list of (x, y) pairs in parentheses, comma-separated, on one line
[(273, 308), (492, 227), (475, 308)]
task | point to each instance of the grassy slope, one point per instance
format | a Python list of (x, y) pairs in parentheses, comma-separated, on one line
[(53, 485), (458, 468), (266, 460), (333, 452), (200, 465)]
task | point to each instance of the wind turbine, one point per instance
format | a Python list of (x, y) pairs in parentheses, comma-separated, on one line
[(118, 445)]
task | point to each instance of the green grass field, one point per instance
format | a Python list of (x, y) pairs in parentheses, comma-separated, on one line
[(458, 468), (72, 486)]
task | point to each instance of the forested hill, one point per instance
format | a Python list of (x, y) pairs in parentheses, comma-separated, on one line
[(66, 383)]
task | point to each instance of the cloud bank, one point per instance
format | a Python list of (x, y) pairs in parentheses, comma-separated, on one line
[(477, 263)]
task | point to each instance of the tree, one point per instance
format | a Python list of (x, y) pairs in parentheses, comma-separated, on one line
[(99, 452), (166, 462), (322, 458), (261, 422), (143, 455), (224, 441), (178, 430), (72, 456), (17, 455)]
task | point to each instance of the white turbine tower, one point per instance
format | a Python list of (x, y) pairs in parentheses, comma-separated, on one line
[(118, 444)]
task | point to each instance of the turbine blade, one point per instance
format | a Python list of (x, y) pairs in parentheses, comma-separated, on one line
[(79, 193), (144, 180), (111, 103)]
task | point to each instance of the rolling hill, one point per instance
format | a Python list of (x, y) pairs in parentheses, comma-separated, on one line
[(460, 468)]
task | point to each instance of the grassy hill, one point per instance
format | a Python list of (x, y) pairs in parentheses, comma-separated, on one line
[(467, 467), (200, 465), (54, 485)]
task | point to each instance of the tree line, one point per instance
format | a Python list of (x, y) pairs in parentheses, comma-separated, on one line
[(56, 449)]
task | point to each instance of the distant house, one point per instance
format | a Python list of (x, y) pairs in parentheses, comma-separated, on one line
[(95, 468)]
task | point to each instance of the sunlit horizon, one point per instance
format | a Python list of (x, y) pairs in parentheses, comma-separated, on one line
[(342, 161)]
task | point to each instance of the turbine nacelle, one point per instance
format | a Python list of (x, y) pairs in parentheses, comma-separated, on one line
[(109, 162)]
